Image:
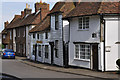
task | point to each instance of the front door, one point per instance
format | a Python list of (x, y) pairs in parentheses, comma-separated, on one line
[(52, 50), (95, 56)]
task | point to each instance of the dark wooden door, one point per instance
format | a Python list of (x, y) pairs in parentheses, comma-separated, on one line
[(52, 52), (95, 56)]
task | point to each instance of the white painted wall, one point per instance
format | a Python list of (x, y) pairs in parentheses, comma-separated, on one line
[(57, 35), (14, 43), (111, 39), (82, 36)]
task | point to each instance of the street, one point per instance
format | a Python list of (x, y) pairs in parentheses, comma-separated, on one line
[(16, 68), (21, 70)]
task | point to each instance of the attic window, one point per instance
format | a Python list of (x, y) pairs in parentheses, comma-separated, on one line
[(83, 23)]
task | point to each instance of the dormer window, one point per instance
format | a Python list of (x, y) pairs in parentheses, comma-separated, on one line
[(83, 23), (56, 22)]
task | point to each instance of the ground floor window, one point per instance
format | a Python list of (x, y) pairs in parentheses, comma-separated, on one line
[(56, 48), (39, 50), (33, 49), (46, 51), (82, 51)]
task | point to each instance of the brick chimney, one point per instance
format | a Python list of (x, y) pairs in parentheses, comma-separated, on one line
[(22, 14), (43, 7), (5, 24), (27, 10)]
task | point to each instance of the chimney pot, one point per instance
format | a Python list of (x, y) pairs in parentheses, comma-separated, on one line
[(5, 24), (22, 14)]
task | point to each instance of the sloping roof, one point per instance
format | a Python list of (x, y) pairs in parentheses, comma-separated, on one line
[(43, 25), (64, 7), (89, 8), (4, 31), (28, 20)]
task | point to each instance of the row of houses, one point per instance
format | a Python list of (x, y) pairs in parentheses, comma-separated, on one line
[(82, 34)]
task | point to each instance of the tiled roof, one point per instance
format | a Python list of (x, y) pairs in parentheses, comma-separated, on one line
[(4, 31), (43, 25), (28, 20), (89, 8), (64, 7)]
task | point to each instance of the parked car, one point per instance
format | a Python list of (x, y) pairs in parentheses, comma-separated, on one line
[(8, 53)]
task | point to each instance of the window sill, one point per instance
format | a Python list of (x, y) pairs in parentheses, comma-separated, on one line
[(82, 60), (82, 30)]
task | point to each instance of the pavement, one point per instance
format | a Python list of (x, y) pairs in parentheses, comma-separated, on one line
[(76, 71)]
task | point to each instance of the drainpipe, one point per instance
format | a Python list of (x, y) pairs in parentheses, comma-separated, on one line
[(103, 22)]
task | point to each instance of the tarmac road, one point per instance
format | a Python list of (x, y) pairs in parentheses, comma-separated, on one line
[(20, 70)]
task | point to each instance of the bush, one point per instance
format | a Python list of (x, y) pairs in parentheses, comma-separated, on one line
[(118, 63)]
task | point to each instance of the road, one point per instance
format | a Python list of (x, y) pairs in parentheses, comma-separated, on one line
[(21, 70)]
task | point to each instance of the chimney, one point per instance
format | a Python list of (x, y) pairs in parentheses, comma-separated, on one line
[(41, 5), (22, 14), (27, 10), (5, 24)]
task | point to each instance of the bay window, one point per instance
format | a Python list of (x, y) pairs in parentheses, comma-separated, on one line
[(82, 51)]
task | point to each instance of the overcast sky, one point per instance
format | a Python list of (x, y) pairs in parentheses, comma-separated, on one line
[(9, 8)]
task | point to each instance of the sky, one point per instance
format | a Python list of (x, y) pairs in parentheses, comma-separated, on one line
[(9, 8)]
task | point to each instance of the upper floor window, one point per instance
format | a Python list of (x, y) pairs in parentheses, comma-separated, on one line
[(83, 23), (56, 22), (46, 35), (82, 51), (33, 35), (37, 36)]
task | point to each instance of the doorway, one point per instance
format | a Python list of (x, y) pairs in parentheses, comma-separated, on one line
[(95, 56), (52, 52)]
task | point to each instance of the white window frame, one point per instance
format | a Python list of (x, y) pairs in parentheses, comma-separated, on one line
[(85, 24), (40, 49), (79, 58), (47, 52)]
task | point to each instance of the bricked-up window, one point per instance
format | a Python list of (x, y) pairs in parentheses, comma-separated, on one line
[(83, 23), (37, 36), (33, 49), (46, 35), (56, 22), (39, 50), (82, 51), (46, 51), (33, 35), (56, 48)]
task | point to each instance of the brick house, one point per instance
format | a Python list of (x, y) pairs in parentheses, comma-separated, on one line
[(22, 25)]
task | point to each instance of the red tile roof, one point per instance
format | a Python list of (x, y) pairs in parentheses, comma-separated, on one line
[(28, 20), (43, 25), (64, 7), (89, 8)]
